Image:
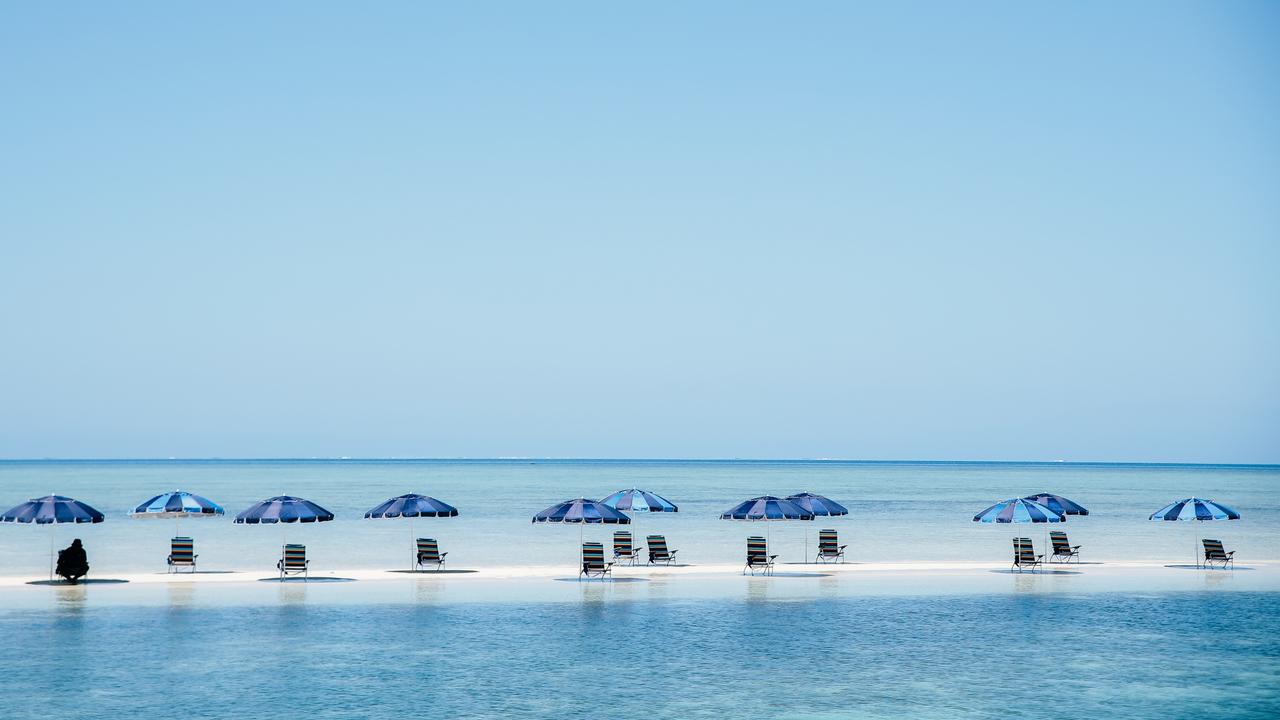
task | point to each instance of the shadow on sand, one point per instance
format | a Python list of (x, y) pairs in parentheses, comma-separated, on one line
[(1215, 568), (428, 573), (307, 581), (791, 575), (200, 572), (1037, 572), (605, 580), (78, 583)]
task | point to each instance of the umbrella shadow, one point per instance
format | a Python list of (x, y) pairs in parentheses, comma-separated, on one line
[(606, 580), (307, 581), (1036, 572), (429, 573), (1215, 569), (78, 583)]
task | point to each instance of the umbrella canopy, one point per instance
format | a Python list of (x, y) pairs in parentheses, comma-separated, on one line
[(818, 505), (178, 504), (637, 500), (52, 509), (766, 507), (412, 505), (1195, 509), (283, 509), (581, 510), (1018, 510), (1058, 504)]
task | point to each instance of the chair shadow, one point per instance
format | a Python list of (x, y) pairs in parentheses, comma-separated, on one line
[(429, 573), (308, 581), (78, 583), (1215, 569), (604, 580)]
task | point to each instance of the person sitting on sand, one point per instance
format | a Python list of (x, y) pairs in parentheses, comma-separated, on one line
[(73, 563)]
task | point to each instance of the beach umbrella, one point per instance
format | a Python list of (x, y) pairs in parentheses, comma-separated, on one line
[(766, 509), (1058, 504), (282, 510), (1197, 509), (412, 506), (1020, 510), (177, 505), (636, 500), (582, 512), (820, 506), (52, 510)]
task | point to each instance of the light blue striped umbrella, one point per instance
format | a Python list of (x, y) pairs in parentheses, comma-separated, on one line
[(178, 504), (1193, 508), (1018, 510), (636, 500)]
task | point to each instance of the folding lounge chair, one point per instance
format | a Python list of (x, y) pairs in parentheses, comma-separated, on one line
[(1215, 553), (758, 557), (829, 547), (429, 553), (1063, 550), (293, 561), (182, 553), (593, 563), (623, 550), (658, 552), (1024, 554)]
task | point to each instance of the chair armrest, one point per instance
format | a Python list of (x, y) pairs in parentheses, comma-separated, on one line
[(608, 565), (843, 547), (771, 557), (1233, 552), (1076, 547), (443, 554), (672, 553)]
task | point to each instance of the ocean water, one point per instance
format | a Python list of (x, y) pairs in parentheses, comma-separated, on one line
[(900, 511), (1177, 655)]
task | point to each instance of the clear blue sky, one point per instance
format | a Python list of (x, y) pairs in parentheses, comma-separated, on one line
[(914, 231)]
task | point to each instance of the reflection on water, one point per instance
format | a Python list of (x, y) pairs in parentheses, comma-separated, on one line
[(292, 593), (180, 593)]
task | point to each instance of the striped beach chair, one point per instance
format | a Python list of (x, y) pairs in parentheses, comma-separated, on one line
[(593, 563), (182, 553), (1063, 550), (293, 561), (1215, 553), (1024, 554), (658, 552), (758, 557), (623, 550), (429, 553), (829, 547)]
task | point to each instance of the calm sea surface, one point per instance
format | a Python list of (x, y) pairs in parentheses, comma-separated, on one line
[(900, 511), (1052, 655)]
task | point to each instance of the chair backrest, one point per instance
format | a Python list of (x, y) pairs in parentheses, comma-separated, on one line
[(622, 542), (658, 546), (182, 550), (1059, 540), (757, 550), (592, 556), (428, 550), (1023, 550), (1213, 549), (295, 556), (828, 541)]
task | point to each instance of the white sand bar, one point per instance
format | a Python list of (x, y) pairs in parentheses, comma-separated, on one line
[(640, 583)]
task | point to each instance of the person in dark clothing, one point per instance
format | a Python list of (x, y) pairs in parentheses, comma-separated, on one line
[(73, 563)]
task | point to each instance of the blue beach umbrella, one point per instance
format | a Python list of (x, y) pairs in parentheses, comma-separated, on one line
[(411, 506), (283, 510), (1020, 510), (52, 510), (1058, 504), (766, 509), (636, 500), (820, 506), (581, 512), (1197, 509), (177, 505)]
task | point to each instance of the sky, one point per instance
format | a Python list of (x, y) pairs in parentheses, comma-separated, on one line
[(980, 231)]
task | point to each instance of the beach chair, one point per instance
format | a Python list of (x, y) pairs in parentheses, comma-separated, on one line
[(658, 552), (293, 561), (593, 563), (429, 553), (829, 547), (1024, 554), (1063, 550), (1215, 553), (758, 557), (182, 553), (623, 550)]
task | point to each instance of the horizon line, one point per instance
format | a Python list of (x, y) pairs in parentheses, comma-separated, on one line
[(554, 459)]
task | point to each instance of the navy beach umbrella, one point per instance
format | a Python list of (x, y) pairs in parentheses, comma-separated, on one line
[(411, 506), (1194, 509), (52, 510), (820, 506), (283, 510), (581, 512)]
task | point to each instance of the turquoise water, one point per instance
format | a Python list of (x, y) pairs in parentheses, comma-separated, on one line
[(900, 511), (1182, 655)]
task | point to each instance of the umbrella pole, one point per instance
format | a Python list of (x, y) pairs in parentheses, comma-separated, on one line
[(51, 544), (412, 548)]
